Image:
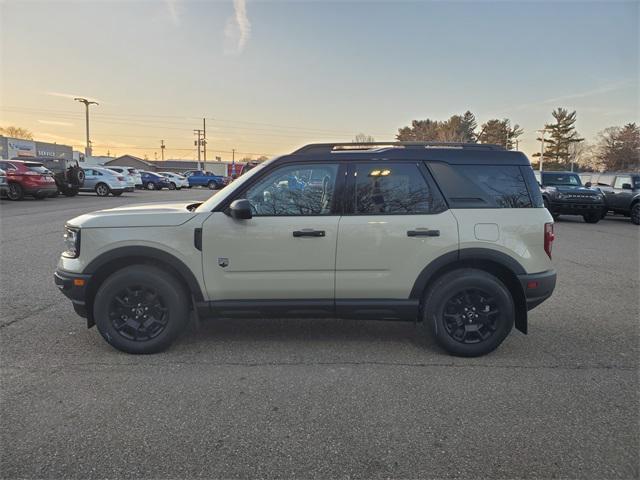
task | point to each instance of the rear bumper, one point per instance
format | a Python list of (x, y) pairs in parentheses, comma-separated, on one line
[(537, 287), (74, 287), (42, 190)]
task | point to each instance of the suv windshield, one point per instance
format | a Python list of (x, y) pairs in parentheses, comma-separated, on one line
[(569, 179)]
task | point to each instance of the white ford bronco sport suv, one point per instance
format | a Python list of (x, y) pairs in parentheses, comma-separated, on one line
[(454, 236)]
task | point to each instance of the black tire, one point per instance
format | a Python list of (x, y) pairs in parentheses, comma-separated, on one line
[(592, 217), (77, 176), (102, 189), (138, 287), (172, 186), (212, 185), (15, 191), (150, 186), (468, 288), (635, 214), (116, 194)]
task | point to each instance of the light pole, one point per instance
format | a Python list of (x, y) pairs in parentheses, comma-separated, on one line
[(87, 150), (542, 132)]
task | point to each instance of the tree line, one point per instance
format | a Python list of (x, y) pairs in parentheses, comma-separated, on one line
[(615, 148)]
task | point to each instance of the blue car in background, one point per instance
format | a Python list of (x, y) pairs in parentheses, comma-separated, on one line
[(200, 178), (153, 181)]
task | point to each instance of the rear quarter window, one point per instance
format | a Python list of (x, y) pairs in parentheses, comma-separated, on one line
[(487, 186)]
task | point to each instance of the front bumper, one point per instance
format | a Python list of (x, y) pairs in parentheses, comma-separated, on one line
[(74, 286), (537, 287), (576, 208)]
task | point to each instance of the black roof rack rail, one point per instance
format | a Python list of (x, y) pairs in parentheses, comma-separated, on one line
[(319, 148)]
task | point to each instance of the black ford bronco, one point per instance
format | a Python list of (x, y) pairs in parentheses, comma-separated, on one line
[(564, 194)]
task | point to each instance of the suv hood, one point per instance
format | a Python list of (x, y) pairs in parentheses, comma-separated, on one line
[(145, 215)]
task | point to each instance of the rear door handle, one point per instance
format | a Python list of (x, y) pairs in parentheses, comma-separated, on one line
[(308, 232), (423, 233)]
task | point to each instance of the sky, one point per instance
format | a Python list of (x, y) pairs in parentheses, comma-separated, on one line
[(270, 76)]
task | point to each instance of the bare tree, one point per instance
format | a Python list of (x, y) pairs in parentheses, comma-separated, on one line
[(16, 132), (363, 138)]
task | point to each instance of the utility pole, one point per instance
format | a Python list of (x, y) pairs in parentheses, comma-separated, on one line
[(542, 132), (162, 150), (87, 150), (233, 162), (204, 141), (198, 142)]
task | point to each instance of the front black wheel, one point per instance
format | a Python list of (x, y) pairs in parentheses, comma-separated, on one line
[(102, 190), (635, 214), (141, 309), (470, 312), (592, 217)]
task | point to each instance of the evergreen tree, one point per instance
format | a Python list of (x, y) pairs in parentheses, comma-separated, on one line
[(458, 128), (562, 133), (500, 132)]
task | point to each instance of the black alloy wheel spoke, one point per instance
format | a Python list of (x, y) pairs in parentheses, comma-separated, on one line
[(471, 316), (137, 313)]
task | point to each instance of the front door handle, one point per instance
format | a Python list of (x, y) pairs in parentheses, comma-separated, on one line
[(308, 232), (423, 233)]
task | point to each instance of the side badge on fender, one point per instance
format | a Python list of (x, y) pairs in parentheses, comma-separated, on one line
[(223, 262)]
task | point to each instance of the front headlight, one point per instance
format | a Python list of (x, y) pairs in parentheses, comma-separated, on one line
[(71, 242)]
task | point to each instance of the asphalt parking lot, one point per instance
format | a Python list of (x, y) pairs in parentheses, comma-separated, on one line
[(319, 398)]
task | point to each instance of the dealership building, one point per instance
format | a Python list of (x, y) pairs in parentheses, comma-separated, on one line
[(17, 148)]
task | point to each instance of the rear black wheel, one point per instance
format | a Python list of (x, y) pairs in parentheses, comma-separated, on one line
[(469, 311), (141, 309), (150, 186), (15, 192), (172, 186), (212, 185)]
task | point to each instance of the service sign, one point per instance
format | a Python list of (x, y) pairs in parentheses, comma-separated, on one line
[(20, 148)]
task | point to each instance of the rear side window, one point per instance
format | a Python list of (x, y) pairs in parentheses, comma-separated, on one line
[(394, 188), (36, 167), (487, 186)]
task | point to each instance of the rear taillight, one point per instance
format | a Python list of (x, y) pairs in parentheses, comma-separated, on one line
[(549, 237)]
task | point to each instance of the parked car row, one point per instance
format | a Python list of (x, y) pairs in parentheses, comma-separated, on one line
[(46, 177), (564, 193)]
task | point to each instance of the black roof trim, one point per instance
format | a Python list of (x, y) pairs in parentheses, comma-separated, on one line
[(320, 148)]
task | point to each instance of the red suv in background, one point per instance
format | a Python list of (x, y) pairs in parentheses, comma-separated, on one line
[(28, 178)]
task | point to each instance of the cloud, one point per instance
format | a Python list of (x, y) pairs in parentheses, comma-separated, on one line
[(71, 96), (56, 122), (173, 11), (238, 29), (612, 87)]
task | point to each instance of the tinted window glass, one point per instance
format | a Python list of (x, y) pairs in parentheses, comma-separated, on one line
[(620, 181), (485, 186), (295, 190), (553, 179), (393, 188), (36, 167)]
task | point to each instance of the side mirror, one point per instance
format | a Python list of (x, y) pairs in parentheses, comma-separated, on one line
[(626, 186), (240, 209), (588, 184)]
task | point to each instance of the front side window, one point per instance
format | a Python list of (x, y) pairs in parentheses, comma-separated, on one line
[(620, 181), (293, 190), (393, 188)]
